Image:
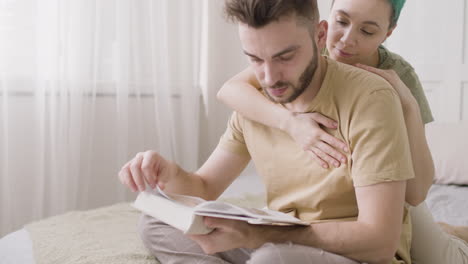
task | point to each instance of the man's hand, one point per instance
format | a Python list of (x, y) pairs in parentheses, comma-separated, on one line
[(305, 129), (146, 168), (228, 234)]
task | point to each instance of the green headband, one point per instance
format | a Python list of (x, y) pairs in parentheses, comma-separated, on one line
[(397, 5)]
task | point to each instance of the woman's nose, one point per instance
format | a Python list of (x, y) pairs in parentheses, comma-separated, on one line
[(348, 38)]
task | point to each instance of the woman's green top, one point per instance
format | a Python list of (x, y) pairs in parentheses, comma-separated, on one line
[(390, 60)]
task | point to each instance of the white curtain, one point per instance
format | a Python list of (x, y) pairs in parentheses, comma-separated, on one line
[(84, 85)]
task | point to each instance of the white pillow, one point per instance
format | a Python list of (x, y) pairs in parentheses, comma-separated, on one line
[(449, 148)]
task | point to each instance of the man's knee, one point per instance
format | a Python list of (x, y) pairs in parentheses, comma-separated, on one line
[(159, 237), (269, 253), (143, 227), (170, 245), (293, 253), (150, 230)]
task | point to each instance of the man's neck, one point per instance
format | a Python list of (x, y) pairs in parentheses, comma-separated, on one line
[(302, 103)]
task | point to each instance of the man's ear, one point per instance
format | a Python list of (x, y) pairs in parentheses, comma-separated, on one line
[(321, 34)]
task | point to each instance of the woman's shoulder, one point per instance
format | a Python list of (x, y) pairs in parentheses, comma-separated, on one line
[(390, 60)]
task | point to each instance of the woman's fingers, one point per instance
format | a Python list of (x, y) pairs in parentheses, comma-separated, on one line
[(323, 120), (386, 74), (315, 156), (323, 147), (369, 68), (335, 143), (324, 156), (334, 157)]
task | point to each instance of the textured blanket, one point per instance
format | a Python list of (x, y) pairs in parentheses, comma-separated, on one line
[(104, 235)]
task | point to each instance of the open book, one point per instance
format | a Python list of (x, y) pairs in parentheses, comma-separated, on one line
[(186, 212)]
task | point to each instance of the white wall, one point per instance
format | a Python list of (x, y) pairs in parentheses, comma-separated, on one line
[(433, 38), (224, 60), (324, 8)]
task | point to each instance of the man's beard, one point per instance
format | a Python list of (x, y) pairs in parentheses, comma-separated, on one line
[(304, 81)]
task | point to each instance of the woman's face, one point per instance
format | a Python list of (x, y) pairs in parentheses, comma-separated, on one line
[(356, 29)]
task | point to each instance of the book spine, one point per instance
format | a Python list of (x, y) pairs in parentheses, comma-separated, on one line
[(197, 226)]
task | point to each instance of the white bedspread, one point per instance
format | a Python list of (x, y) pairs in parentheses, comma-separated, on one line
[(449, 203), (16, 248)]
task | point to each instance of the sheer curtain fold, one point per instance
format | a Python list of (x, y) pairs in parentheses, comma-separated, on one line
[(85, 85)]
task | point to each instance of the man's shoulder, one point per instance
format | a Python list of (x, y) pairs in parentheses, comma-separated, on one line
[(243, 123), (350, 79)]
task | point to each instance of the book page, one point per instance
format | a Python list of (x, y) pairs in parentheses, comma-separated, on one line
[(225, 210), (190, 201), (191, 206)]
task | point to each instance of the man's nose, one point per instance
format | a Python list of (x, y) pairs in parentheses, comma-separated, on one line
[(271, 74)]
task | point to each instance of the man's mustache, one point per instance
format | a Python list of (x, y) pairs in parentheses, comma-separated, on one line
[(279, 84)]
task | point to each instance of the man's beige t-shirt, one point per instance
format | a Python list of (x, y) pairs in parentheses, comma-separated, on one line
[(370, 121)]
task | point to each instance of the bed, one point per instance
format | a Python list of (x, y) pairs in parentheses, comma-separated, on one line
[(103, 235), (108, 234)]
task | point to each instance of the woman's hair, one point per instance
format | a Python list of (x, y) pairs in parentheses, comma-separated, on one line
[(397, 6), (258, 13)]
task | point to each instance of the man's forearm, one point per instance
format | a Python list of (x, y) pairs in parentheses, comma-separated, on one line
[(186, 183), (354, 240)]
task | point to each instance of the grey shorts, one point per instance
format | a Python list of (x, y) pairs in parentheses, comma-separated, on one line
[(170, 245)]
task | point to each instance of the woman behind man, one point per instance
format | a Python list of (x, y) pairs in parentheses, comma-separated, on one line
[(357, 28)]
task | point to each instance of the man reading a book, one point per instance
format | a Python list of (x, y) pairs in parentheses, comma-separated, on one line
[(356, 211)]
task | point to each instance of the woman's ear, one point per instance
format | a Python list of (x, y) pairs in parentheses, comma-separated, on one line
[(389, 33), (322, 31)]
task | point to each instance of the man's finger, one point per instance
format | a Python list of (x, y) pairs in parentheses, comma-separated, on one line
[(135, 169), (126, 179), (148, 169)]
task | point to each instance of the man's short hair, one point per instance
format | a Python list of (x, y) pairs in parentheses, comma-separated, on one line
[(258, 13)]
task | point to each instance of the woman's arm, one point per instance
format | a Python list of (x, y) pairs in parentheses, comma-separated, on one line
[(241, 94), (417, 188)]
